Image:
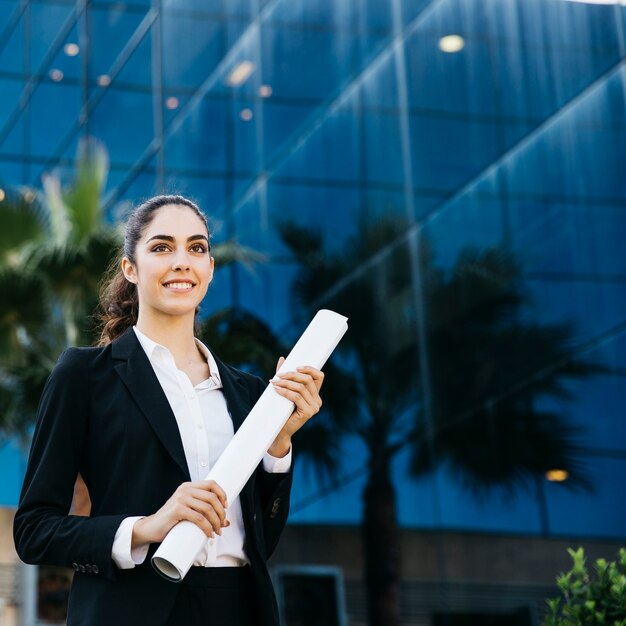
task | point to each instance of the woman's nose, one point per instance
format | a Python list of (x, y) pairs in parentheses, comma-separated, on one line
[(181, 262)]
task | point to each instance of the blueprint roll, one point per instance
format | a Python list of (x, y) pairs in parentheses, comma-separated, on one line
[(245, 451)]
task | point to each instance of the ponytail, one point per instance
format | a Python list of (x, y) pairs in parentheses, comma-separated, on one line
[(119, 304)]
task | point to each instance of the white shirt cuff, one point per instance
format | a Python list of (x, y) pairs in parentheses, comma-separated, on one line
[(122, 554), (275, 465)]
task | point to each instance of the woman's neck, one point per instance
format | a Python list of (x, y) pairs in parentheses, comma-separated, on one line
[(173, 332)]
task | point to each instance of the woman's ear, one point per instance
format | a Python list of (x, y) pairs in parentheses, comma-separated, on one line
[(128, 269)]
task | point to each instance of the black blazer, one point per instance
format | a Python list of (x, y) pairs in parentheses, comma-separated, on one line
[(104, 414)]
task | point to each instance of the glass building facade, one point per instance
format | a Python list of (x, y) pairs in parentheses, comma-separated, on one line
[(479, 146)]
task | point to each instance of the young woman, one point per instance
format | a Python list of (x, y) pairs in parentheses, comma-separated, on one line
[(142, 417)]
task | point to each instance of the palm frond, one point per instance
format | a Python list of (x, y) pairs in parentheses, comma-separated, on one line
[(83, 197), (22, 311), (23, 222)]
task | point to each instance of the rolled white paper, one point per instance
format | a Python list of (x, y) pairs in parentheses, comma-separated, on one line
[(245, 451)]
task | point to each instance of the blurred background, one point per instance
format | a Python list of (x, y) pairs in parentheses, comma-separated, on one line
[(449, 174)]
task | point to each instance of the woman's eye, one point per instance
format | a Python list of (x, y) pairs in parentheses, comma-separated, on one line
[(160, 248), (198, 247)]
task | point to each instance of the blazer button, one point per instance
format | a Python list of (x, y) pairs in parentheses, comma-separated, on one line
[(75, 566), (275, 507), (95, 569), (81, 568), (88, 568), (254, 517)]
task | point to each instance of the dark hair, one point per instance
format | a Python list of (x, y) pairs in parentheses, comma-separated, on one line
[(119, 302)]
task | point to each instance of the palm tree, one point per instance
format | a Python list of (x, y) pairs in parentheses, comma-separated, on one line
[(53, 249), (472, 403)]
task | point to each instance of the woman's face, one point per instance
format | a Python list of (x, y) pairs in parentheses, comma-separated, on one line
[(173, 267)]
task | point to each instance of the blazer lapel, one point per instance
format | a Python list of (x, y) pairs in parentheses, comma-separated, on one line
[(136, 372), (236, 393)]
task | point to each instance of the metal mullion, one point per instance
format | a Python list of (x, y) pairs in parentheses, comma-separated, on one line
[(26, 69), (12, 23), (157, 91)]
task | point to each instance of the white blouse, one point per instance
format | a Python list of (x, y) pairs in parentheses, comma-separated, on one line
[(205, 429)]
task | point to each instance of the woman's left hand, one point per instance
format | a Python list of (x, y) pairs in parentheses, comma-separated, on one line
[(302, 387)]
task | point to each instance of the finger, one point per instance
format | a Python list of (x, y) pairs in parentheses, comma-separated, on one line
[(299, 377), (209, 513), (213, 487), (308, 375), (201, 522), (300, 388), (281, 360), (210, 499), (315, 374), (305, 408)]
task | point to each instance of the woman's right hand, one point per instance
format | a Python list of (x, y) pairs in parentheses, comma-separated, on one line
[(203, 503)]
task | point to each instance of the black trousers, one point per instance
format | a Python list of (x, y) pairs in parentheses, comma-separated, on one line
[(215, 596)]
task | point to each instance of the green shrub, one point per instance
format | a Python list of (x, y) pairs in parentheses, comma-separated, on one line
[(590, 599)]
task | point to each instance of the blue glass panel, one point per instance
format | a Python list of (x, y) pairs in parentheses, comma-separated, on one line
[(118, 112), (380, 83), (8, 9), (46, 22), (246, 141), (189, 59), (382, 202), (199, 142), (132, 4), (494, 511), (265, 290), (462, 82), (11, 58), (138, 68), (12, 462), (11, 173), (593, 308), (54, 111), (601, 397), (208, 193), (315, 154), (570, 240), (14, 143), (301, 205), (599, 513), (11, 91), (142, 187), (471, 221), (287, 61), (314, 503), (282, 123), (111, 29), (447, 153), (70, 66)]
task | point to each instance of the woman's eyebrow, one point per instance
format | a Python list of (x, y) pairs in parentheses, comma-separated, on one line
[(170, 238)]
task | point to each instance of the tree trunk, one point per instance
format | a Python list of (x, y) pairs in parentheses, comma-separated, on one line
[(381, 546)]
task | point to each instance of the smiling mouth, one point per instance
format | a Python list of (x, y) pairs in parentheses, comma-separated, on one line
[(181, 286)]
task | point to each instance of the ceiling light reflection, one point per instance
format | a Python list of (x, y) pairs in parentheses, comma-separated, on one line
[(265, 91), (171, 103), (104, 80), (56, 75), (71, 49), (240, 74), (557, 475), (451, 43), (246, 114)]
